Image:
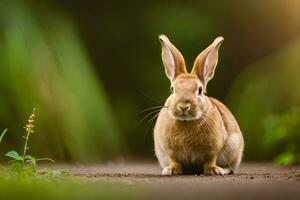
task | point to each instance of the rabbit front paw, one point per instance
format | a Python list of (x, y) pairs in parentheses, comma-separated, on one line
[(213, 170), (171, 170)]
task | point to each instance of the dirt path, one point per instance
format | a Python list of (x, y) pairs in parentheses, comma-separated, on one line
[(251, 181)]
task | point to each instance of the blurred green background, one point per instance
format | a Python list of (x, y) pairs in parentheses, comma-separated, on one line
[(89, 68)]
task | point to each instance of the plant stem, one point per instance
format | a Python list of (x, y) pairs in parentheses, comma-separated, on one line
[(25, 147), (29, 129)]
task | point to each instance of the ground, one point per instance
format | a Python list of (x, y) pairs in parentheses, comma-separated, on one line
[(251, 181)]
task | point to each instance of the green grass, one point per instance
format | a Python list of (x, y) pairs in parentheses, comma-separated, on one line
[(63, 187)]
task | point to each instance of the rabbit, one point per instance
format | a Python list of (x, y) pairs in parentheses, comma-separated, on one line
[(192, 130)]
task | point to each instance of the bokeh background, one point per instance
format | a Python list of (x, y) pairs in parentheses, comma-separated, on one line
[(90, 67)]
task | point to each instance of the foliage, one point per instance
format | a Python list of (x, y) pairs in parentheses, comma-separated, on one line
[(44, 64), (282, 131), (286, 158), (268, 106), (18, 161), (2, 135)]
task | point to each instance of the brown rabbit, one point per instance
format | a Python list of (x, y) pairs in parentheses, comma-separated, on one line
[(194, 131)]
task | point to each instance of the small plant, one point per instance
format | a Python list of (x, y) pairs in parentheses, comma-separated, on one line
[(23, 162), (2, 135)]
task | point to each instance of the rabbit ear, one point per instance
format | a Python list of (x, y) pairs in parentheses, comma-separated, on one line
[(206, 62), (172, 59)]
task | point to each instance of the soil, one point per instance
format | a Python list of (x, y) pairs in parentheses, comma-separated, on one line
[(251, 181)]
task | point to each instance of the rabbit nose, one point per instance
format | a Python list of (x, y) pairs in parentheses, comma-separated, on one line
[(184, 107)]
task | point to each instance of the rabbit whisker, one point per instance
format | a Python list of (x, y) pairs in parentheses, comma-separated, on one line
[(150, 108), (207, 124), (152, 119), (206, 115), (149, 124), (148, 115)]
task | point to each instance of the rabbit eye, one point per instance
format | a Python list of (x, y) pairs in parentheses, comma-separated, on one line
[(200, 90), (171, 89)]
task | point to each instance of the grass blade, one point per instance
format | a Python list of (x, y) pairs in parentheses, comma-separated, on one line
[(2, 135), (48, 159)]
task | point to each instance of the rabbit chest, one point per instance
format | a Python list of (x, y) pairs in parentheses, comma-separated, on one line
[(191, 145)]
